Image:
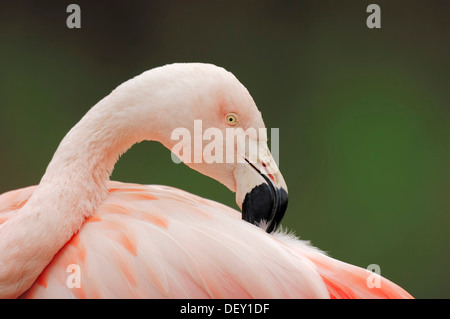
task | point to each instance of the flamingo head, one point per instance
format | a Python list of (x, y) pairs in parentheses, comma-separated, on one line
[(211, 123)]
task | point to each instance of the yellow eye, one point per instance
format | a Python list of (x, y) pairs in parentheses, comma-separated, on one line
[(231, 119)]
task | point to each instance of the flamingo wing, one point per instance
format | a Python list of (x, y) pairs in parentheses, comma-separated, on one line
[(161, 242), (343, 280), (348, 281)]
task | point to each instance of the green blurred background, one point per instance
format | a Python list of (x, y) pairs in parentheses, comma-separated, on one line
[(363, 113)]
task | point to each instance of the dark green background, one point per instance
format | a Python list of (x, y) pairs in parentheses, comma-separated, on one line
[(363, 114)]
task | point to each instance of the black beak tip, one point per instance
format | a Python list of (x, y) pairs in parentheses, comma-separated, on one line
[(265, 205)]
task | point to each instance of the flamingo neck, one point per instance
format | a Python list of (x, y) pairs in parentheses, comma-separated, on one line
[(74, 185), (70, 191)]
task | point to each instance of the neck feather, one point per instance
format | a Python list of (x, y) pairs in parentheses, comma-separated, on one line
[(70, 191)]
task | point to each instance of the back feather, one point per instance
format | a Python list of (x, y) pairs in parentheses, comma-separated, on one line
[(161, 242)]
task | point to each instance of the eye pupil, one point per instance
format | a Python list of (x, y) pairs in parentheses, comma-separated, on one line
[(231, 119)]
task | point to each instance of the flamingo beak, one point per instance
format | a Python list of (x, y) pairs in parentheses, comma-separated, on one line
[(262, 192)]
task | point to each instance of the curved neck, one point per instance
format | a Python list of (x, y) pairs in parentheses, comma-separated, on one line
[(70, 191), (146, 107)]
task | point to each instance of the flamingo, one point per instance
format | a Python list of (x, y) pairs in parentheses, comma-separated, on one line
[(150, 241)]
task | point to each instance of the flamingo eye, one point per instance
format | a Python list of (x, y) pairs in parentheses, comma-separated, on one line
[(231, 119)]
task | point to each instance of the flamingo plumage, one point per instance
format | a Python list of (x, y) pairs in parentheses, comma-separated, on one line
[(150, 241)]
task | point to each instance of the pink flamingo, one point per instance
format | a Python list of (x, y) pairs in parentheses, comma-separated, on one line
[(128, 240)]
